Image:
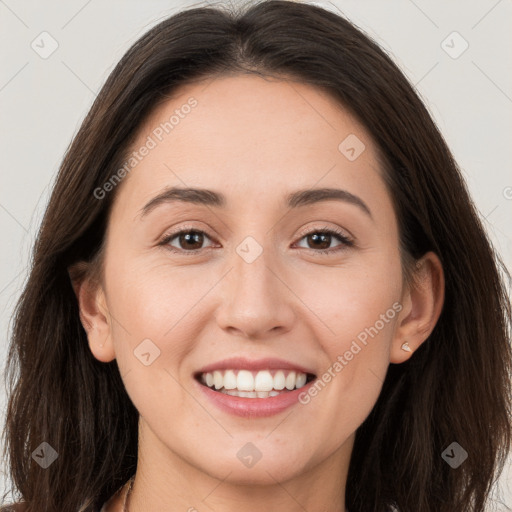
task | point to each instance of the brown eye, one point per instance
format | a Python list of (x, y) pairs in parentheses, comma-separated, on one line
[(191, 240), (188, 240), (320, 240)]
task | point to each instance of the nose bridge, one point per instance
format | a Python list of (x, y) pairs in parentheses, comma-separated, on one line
[(251, 275), (251, 279), (255, 299)]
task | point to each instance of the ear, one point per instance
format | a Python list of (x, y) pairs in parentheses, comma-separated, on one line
[(93, 310), (422, 304)]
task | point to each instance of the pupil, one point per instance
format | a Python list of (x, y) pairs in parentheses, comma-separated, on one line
[(190, 237), (325, 238)]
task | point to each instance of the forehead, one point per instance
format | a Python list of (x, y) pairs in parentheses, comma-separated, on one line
[(253, 138)]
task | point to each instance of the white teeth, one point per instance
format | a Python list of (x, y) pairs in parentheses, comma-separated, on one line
[(301, 380), (249, 394), (245, 381), (261, 384), (290, 381), (230, 380), (279, 380), (263, 381), (218, 380), (246, 394)]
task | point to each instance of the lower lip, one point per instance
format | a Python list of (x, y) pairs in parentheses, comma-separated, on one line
[(254, 407)]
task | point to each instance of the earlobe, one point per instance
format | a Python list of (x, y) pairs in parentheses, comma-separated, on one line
[(405, 346), (424, 301), (93, 312)]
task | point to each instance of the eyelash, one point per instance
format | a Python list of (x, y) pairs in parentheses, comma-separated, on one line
[(346, 242)]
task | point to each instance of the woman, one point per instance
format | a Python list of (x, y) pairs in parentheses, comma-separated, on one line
[(260, 283)]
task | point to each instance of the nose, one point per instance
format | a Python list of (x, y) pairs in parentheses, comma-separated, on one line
[(256, 301)]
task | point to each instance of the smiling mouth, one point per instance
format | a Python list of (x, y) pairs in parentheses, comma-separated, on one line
[(254, 384)]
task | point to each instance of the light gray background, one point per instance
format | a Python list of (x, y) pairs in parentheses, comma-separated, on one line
[(43, 101)]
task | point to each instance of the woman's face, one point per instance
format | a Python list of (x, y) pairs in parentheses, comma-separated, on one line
[(248, 279)]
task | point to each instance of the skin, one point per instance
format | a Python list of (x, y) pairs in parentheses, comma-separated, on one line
[(255, 140)]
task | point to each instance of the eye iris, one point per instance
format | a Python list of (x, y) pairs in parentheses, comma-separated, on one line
[(194, 239), (325, 237), (191, 237)]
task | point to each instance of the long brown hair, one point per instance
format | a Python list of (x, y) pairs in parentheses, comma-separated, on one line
[(455, 388)]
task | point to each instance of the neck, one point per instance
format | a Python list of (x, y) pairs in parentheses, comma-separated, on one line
[(164, 481)]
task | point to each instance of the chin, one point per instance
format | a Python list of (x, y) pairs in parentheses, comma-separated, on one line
[(280, 466)]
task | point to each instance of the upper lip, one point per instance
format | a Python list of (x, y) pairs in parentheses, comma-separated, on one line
[(242, 363)]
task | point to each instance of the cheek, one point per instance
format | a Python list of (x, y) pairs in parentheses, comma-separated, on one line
[(355, 310), (156, 300), (352, 301), (156, 310)]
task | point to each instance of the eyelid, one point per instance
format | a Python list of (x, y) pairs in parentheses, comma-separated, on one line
[(169, 235), (331, 229), (347, 240)]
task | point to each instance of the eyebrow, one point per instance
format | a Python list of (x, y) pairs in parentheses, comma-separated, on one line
[(294, 200)]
